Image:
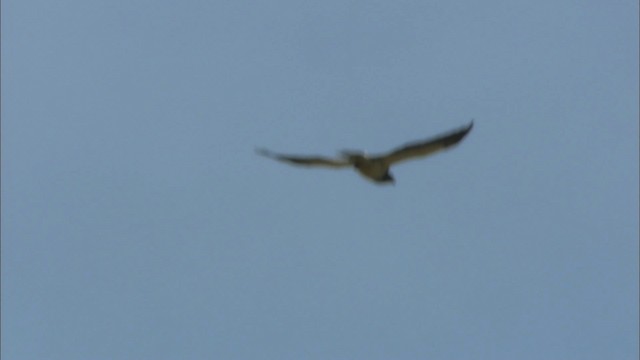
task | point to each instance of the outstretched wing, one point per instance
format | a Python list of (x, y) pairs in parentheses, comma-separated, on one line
[(426, 147), (305, 160)]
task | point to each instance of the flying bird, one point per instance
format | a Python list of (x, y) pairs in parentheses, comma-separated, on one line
[(376, 167)]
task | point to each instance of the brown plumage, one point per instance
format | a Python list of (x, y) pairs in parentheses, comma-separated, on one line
[(376, 167)]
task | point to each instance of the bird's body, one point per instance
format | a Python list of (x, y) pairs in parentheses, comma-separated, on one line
[(376, 168)]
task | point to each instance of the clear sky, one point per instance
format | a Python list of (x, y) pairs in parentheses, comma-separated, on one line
[(138, 223)]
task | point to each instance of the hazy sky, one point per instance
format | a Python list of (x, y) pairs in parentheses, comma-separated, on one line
[(138, 223)]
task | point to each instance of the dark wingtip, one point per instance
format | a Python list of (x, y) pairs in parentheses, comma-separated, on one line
[(467, 129), (457, 135)]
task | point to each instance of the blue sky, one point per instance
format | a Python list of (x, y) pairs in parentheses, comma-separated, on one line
[(137, 222)]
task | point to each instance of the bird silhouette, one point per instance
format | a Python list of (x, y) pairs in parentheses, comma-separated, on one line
[(376, 167)]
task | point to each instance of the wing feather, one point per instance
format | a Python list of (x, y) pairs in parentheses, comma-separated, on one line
[(426, 147), (305, 160)]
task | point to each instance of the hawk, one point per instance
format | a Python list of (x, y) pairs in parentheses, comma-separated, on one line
[(376, 167)]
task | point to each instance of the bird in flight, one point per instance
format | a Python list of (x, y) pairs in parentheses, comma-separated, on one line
[(376, 167)]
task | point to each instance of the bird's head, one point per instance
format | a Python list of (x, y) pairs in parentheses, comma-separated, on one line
[(353, 156)]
